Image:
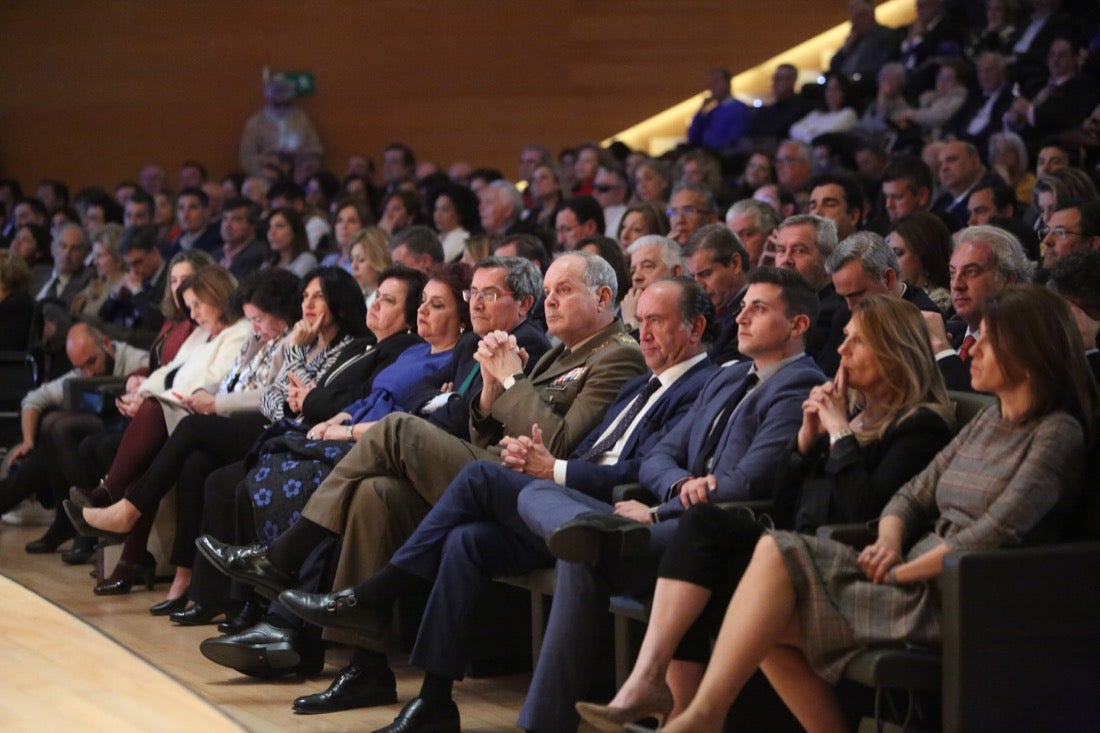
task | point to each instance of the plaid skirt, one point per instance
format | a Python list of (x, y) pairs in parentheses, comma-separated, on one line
[(841, 612)]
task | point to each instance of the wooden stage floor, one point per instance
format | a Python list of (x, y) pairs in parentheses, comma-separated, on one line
[(58, 674)]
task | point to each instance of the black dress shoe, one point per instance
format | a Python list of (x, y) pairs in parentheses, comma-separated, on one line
[(264, 651), (339, 610), (76, 516), (356, 686), (169, 606), (422, 716), (54, 537), (248, 564), (82, 551), (198, 614), (246, 617), (592, 537)]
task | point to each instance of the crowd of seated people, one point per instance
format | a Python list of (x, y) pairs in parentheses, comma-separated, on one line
[(364, 385)]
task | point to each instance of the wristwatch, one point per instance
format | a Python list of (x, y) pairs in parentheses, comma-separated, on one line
[(841, 434), (350, 434), (653, 517), (510, 381)]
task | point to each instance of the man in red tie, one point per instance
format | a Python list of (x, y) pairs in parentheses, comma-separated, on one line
[(984, 261)]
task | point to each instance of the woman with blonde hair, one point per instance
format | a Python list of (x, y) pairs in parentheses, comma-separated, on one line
[(110, 269), (370, 255)]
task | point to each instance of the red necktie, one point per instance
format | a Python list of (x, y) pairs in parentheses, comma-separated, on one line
[(964, 348)]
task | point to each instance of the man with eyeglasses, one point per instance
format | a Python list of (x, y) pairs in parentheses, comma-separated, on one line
[(51, 435), (609, 189), (690, 207), (1074, 225), (135, 307)]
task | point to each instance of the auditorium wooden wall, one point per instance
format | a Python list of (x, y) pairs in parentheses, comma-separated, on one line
[(91, 91)]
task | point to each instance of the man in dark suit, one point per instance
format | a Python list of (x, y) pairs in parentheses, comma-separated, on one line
[(196, 229), (742, 423), (135, 307), (717, 260), (381, 490), (984, 261), (982, 113), (1060, 104), (242, 252), (474, 533), (803, 243), (70, 276)]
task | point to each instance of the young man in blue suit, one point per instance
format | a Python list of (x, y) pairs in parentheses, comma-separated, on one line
[(741, 425), (474, 532)]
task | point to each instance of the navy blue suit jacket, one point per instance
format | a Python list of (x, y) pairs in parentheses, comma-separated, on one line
[(755, 439), (598, 481)]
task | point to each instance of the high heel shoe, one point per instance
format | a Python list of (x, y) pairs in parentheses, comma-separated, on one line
[(168, 606), (76, 516), (658, 704), (126, 573)]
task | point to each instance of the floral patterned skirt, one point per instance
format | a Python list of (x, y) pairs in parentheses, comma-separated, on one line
[(289, 469)]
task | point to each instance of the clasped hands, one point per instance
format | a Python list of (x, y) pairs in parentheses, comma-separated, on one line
[(825, 411), (500, 357)]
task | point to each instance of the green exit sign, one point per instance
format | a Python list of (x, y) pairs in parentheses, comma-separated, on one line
[(302, 81)]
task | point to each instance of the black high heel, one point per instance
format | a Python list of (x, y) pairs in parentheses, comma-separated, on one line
[(169, 606), (125, 574), (76, 516)]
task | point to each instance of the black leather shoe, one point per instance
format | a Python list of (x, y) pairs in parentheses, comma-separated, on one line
[(355, 687), (82, 551), (248, 564), (592, 537), (422, 716), (169, 606), (264, 651), (76, 516), (249, 614), (54, 537), (337, 610), (198, 614)]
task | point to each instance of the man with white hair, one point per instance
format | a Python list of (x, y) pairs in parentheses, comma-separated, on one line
[(753, 222), (500, 206), (652, 257)]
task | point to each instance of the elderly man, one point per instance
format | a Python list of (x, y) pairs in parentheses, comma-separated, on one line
[(579, 217), (717, 260), (500, 207), (380, 491), (984, 261), (652, 257), (961, 169), (70, 276), (474, 533), (690, 207), (861, 265), (803, 243), (753, 222), (51, 435), (741, 426)]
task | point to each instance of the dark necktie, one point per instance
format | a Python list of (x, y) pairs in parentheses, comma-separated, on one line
[(625, 420), (964, 348), (699, 466), (54, 289)]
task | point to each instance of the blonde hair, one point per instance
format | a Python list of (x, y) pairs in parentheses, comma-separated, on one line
[(895, 332), (376, 247)]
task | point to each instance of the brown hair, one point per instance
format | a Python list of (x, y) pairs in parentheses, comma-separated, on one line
[(1035, 338), (215, 286)]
